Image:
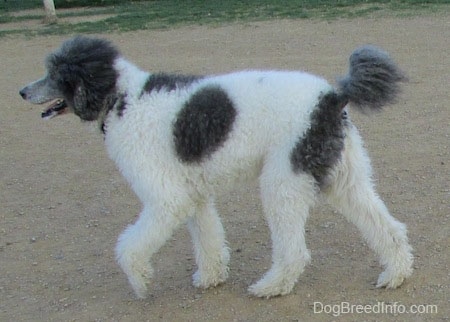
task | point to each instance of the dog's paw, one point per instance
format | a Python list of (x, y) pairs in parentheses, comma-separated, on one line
[(212, 271), (394, 275), (210, 279), (391, 280), (139, 281), (138, 273), (267, 288), (139, 287)]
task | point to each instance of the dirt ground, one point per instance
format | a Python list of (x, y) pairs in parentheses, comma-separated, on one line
[(63, 203)]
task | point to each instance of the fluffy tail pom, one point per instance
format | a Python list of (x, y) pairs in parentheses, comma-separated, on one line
[(372, 80)]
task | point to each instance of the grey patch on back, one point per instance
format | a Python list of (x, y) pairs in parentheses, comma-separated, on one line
[(168, 82), (320, 148), (203, 124)]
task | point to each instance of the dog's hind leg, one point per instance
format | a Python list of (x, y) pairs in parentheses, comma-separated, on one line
[(145, 237), (287, 199), (211, 253), (352, 193)]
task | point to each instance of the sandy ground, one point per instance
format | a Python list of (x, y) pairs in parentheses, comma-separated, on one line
[(63, 203)]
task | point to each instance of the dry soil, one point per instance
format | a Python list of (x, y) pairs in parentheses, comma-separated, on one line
[(63, 203)]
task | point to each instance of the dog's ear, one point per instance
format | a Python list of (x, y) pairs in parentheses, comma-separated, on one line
[(84, 102), (80, 99), (83, 105)]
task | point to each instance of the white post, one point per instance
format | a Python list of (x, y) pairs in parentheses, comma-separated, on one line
[(50, 12)]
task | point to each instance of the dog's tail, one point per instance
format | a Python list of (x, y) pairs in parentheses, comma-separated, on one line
[(372, 80)]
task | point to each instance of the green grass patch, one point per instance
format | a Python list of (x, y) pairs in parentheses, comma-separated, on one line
[(160, 14)]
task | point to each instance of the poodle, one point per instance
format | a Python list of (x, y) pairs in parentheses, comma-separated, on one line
[(180, 140)]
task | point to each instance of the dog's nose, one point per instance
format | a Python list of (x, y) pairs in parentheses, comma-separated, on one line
[(23, 94)]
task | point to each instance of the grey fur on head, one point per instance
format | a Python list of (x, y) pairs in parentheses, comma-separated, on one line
[(372, 80), (83, 68)]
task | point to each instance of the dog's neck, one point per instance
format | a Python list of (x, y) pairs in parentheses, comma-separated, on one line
[(131, 79), (112, 102), (129, 83)]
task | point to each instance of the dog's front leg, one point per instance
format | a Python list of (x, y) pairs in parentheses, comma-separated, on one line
[(211, 253), (140, 241)]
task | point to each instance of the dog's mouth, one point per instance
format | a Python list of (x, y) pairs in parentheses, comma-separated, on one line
[(56, 108)]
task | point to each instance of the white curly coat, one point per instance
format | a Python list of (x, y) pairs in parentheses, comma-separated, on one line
[(258, 147)]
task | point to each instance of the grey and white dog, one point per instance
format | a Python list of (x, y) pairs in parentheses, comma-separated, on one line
[(182, 140)]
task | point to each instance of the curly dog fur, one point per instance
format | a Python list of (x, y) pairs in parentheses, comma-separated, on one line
[(180, 140)]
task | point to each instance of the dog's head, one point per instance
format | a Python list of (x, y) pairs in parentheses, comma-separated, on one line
[(80, 77)]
